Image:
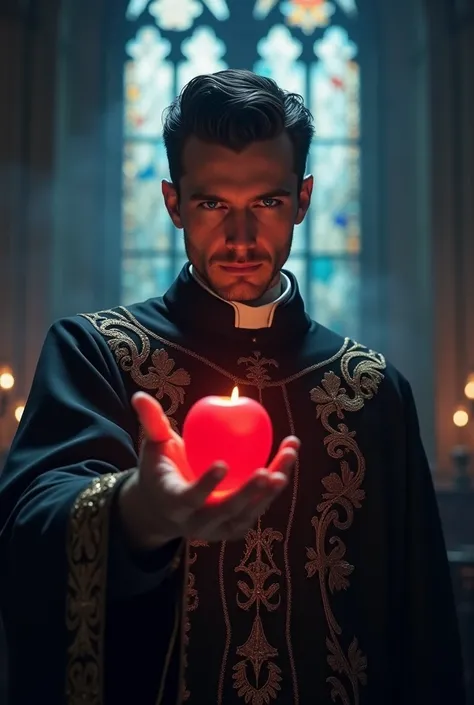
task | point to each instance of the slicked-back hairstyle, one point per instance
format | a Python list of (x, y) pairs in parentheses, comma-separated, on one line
[(234, 108)]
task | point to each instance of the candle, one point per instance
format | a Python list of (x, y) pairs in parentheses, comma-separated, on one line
[(236, 430)]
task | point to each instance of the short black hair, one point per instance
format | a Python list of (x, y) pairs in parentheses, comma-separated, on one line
[(234, 108)]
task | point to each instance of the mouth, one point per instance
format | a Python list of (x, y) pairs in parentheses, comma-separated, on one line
[(241, 269)]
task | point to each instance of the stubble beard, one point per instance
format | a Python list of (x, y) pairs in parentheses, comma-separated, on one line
[(240, 292)]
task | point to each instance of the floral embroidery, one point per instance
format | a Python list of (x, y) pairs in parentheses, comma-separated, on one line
[(361, 374), (153, 371), (192, 603), (256, 372), (85, 602), (257, 651), (343, 494)]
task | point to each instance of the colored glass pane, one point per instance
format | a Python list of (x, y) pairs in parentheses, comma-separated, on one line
[(325, 253), (176, 15), (149, 79), (335, 87), (145, 277), (135, 8), (306, 15), (263, 7), (334, 298), (299, 245), (334, 215), (219, 8), (279, 52), (203, 53), (146, 222), (298, 266)]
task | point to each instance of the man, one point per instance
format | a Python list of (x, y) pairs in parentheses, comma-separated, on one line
[(325, 578)]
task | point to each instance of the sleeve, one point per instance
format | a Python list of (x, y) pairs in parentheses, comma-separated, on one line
[(73, 449), (432, 667)]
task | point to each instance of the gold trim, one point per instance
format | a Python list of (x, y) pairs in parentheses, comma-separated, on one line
[(228, 625), (122, 317), (256, 372), (286, 558), (182, 654), (343, 491), (257, 650), (162, 378), (87, 545), (330, 398), (149, 370), (191, 597)]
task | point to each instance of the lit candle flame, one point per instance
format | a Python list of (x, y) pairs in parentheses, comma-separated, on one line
[(7, 380), (235, 394), (461, 417), (469, 388)]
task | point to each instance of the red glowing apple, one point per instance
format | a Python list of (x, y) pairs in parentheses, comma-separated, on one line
[(236, 430)]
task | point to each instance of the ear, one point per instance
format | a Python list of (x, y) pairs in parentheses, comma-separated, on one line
[(304, 198), (171, 198)]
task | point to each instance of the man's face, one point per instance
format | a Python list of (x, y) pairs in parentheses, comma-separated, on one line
[(238, 212)]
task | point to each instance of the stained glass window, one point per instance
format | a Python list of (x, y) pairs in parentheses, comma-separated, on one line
[(308, 47)]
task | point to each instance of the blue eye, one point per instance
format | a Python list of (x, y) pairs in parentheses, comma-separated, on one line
[(209, 205), (271, 202)]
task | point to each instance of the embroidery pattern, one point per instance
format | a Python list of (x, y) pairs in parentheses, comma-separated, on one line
[(122, 316), (257, 651), (85, 602), (192, 603), (286, 556), (88, 531), (343, 494), (256, 372), (153, 371)]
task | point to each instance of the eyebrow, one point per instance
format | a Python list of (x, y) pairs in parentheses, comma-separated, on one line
[(202, 196)]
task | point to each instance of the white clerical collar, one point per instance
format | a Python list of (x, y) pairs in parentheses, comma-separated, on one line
[(260, 313)]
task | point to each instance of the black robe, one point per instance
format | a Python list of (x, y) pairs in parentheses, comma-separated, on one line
[(341, 593)]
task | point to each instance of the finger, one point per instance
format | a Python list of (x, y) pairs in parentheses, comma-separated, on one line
[(277, 485), (152, 417), (235, 527), (154, 455), (240, 500), (284, 461), (199, 492), (290, 442), (208, 518), (263, 486), (261, 502), (172, 481)]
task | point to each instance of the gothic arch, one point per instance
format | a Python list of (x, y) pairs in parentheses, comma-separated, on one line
[(396, 310), (311, 50)]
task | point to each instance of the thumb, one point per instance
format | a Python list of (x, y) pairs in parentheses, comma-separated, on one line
[(158, 435), (153, 419)]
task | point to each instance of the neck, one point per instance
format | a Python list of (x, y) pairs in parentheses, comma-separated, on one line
[(203, 314), (257, 313), (267, 297)]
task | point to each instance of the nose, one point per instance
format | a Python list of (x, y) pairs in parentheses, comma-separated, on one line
[(240, 230)]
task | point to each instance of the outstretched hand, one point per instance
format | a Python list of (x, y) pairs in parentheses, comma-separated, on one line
[(175, 507)]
